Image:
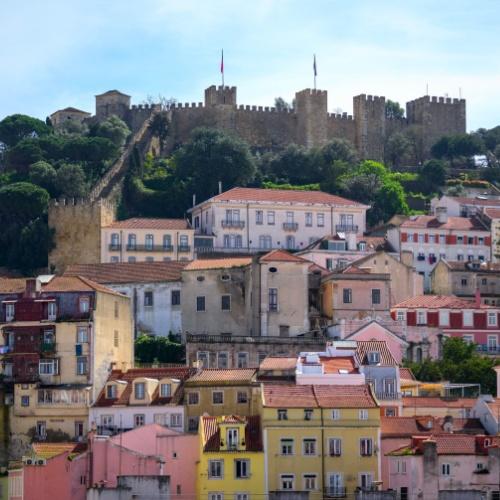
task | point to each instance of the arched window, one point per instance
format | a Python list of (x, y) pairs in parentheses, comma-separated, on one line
[(418, 355), (132, 241), (149, 241), (265, 241), (290, 242)]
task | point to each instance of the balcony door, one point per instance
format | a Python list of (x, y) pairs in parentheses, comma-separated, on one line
[(335, 484)]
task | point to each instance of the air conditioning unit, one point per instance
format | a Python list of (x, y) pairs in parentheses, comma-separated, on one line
[(41, 461), (28, 461)]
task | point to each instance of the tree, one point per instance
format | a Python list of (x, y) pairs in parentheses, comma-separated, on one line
[(432, 175), (159, 127), (150, 349), (393, 110), (294, 165), (114, 129), (338, 150), (43, 174), (22, 155), (281, 105), (21, 202), (332, 176), (398, 147), (15, 128), (71, 181)]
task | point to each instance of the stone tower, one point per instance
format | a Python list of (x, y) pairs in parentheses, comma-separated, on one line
[(77, 225), (220, 95), (112, 102), (369, 116), (311, 107)]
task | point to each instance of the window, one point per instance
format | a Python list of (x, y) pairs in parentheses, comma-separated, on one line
[(492, 319), (84, 304), (48, 367), (400, 315), (184, 241), (492, 343), (335, 447), (432, 238), (115, 241), (287, 481), (148, 299), (309, 219), (175, 297), (347, 295), (222, 360), (265, 242), (217, 397), (289, 217), (286, 446), (273, 299), (270, 217), (116, 338), (200, 303), (107, 420), (320, 220), (232, 438), (242, 469), (374, 357), (309, 482), (215, 469), (225, 303), (464, 282), (460, 257), (410, 237), (149, 241), (111, 391), (335, 414), (467, 318), (81, 365), (282, 415), (366, 447), (290, 242), (445, 469), (25, 400), (167, 242), (139, 419), (203, 356), (165, 390), (421, 317), (78, 429), (444, 318), (376, 296), (308, 414), (391, 412), (365, 480), (243, 360), (193, 398), (176, 420), (51, 311), (216, 496), (309, 447), (9, 312), (132, 242), (132, 259), (401, 467), (460, 239), (242, 397), (140, 390), (241, 496), (262, 356), (363, 414), (329, 264), (41, 429), (259, 217)]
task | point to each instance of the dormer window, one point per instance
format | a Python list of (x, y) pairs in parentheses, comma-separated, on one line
[(374, 357), (232, 438), (165, 390), (140, 390), (111, 391), (84, 304)]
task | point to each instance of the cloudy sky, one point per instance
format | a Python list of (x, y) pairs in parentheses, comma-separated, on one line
[(58, 53)]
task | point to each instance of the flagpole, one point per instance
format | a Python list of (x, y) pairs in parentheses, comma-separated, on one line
[(315, 71), (222, 67)]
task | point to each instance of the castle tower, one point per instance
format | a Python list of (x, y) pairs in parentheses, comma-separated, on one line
[(112, 102), (77, 231), (311, 107), (369, 117), (221, 95)]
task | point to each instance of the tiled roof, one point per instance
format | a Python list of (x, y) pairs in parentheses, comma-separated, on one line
[(431, 222), (140, 223), (75, 284), (12, 285), (279, 255), (284, 196), (129, 272), (353, 269), (211, 431), (317, 396), (214, 375), (465, 266), (70, 109), (406, 374), (492, 213), (437, 402), (181, 373), (426, 424), (438, 302), (475, 201), (278, 363), (375, 243), (50, 450), (224, 263), (363, 347), (333, 364), (494, 407)]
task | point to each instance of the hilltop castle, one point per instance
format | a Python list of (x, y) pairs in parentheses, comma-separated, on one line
[(309, 123)]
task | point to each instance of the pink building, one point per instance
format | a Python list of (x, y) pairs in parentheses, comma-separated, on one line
[(446, 462)]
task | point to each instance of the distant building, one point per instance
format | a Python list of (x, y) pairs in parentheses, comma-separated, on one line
[(60, 117), (492, 217), (438, 406), (459, 206)]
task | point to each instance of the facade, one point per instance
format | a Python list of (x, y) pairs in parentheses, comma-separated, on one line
[(438, 406), (138, 397), (454, 317), (465, 279), (487, 410), (492, 217), (431, 238), (320, 439), (60, 341), (467, 465), (58, 118), (231, 461), (147, 240), (253, 220), (154, 288), (464, 207)]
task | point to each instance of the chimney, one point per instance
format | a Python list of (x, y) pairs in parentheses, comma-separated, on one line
[(442, 215), (478, 298), (351, 241), (194, 200), (33, 287), (220, 187)]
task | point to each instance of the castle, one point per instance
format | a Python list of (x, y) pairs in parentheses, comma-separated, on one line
[(309, 123)]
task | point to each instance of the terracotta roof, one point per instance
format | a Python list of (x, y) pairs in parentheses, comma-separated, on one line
[(492, 213), (431, 222), (70, 109), (437, 402), (465, 266), (284, 196), (475, 201), (406, 374), (224, 263), (50, 450), (12, 285), (278, 363), (129, 272), (317, 396), (181, 373), (75, 284), (439, 302), (353, 269), (211, 431), (426, 424), (494, 406), (142, 223), (279, 255), (214, 375), (375, 243), (333, 364), (363, 347)]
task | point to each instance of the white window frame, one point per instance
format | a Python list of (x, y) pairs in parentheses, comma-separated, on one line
[(309, 447), (217, 392), (220, 473), (492, 346), (492, 319), (246, 466), (139, 419), (176, 420), (421, 317), (287, 444), (363, 414), (193, 393), (289, 478), (444, 317), (140, 394), (335, 444), (51, 366), (369, 476), (167, 393), (366, 445), (470, 318), (336, 414), (400, 315), (305, 480)]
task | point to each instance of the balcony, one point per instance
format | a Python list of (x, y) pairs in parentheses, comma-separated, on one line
[(486, 349), (290, 226), (384, 396), (114, 247), (48, 347), (232, 224), (150, 248), (184, 248), (335, 492), (346, 228)]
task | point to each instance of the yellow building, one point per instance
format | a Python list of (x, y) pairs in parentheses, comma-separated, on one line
[(231, 465), (324, 439), (221, 392)]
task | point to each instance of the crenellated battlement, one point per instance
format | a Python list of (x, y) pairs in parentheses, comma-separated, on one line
[(371, 98), (436, 100), (340, 116), (63, 203), (151, 107)]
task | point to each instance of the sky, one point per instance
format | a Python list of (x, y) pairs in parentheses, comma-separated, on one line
[(59, 53)]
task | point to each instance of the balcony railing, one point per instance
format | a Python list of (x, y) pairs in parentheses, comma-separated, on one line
[(150, 248), (346, 228), (235, 224), (115, 247), (290, 226), (387, 395), (184, 248), (335, 492), (486, 349), (48, 347)]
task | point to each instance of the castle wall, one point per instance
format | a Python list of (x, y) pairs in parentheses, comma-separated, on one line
[(312, 114), (341, 126), (138, 114), (369, 115)]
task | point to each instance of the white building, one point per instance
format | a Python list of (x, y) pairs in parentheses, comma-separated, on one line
[(153, 287), (262, 219), (458, 206)]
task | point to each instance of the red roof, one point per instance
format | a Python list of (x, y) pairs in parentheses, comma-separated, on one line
[(364, 347), (406, 374), (211, 431), (333, 364), (439, 302), (427, 424), (437, 402), (284, 196), (223, 263), (492, 213), (234, 375), (140, 223), (476, 201), (431, 222), (282, 256), (278, 363)]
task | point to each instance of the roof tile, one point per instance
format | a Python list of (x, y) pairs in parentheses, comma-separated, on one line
[(224, 263), (431, 221), (438, 302), (144, 223)]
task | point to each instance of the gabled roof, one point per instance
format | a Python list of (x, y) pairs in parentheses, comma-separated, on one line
[(229, 376), (382, 327), (431, 222), (51, 450), (279, 255), (438, 302), (75, 284), (364, 347), (212, 435), (398, 427), (129, 272), (406, 374), (464, 266), (12, 285), (112, 92), (70, 109), (223, 263), (241, 194), (150, 223)]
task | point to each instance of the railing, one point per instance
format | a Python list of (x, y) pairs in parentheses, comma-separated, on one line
[(387, 395), (237, 224), (335, 492), (115, 247), (346, 228), (150, 248), (486, 349), (315, 338), (290, 226), (48, 347), (184, 248)]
